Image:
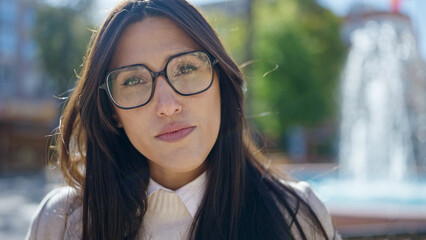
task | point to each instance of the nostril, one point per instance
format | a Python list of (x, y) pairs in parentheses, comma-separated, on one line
[(168, 108), (169, 111)]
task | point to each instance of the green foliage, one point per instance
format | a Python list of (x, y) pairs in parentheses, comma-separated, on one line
[(303, 39), (62, 34)]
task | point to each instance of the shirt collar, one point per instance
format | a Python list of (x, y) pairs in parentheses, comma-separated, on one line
[(191, 194)]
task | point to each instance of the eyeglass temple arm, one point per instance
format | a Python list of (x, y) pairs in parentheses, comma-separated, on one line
[(103, 86)]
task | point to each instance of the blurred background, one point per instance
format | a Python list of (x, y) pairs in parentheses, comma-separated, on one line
[(336, 95)]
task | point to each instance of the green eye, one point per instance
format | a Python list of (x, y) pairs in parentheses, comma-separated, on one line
[(187, 69), (132, 81)]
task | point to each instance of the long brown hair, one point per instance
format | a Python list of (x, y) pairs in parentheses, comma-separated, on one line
[(242, 199)]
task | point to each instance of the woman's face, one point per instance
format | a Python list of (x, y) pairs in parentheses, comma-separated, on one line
[(174, 132)]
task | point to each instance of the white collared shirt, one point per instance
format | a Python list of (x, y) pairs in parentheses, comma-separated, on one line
[(191, 194)]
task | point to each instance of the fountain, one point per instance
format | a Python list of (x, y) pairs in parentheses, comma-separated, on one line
[(380, 186)]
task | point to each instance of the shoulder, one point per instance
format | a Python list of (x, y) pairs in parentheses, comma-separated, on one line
[(304, 191), (58, 211)]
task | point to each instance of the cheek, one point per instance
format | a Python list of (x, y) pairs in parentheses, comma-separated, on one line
[(134, 125)]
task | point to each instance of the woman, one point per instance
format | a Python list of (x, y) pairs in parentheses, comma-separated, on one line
[(153, 142)]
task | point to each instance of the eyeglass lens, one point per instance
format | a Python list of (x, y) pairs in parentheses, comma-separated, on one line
[(188, 74)]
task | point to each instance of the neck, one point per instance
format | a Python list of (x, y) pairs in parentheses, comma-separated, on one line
[(174, 180)]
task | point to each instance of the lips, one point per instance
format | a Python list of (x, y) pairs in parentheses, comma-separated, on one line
[(174, 132)]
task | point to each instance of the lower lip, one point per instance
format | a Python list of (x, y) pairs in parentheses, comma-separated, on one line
[(176, 136)]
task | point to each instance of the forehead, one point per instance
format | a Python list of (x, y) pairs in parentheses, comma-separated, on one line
[(151, 42)]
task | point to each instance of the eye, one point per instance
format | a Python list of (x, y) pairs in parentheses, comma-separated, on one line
[(133, 81), (187, 69)]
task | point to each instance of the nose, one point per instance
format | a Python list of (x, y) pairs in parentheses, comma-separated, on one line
[(165, 100)]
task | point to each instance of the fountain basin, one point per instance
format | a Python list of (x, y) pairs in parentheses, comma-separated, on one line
[(366, 208)]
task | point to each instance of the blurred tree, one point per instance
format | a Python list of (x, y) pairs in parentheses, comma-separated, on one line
[(62, 34), (303, 40)]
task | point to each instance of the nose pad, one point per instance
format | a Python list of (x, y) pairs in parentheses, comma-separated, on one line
[(165, 98)]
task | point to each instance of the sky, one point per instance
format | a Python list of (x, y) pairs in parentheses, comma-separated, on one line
[(415, 9)]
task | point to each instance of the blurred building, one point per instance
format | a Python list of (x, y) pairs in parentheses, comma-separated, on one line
[(26, 113), (19, 74)]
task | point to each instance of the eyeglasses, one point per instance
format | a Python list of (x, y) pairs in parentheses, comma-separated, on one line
[(133, 86)]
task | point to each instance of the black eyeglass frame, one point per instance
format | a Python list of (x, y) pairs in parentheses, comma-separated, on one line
[(154, 76)]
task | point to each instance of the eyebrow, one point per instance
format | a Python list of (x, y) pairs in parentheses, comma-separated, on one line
[(174, 53)]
